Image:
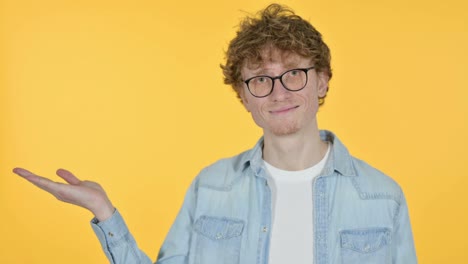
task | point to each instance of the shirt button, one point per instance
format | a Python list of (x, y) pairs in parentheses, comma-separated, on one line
[(367, 248), (111, 234), (265, 229), (219, 236)]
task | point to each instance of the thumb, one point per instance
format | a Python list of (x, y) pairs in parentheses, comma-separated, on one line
[(68, 176)]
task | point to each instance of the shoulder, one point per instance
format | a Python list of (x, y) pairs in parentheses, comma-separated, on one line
[(368, 181), (223, 173), (371, 183)]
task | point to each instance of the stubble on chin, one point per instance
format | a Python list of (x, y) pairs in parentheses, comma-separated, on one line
[(284, 129)]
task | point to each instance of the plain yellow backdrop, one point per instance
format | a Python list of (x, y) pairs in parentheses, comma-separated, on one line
[(130, 94)]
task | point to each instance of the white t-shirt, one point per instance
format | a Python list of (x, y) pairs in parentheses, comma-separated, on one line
[(292, 236)]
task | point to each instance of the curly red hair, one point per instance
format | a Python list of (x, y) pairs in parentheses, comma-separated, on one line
[(279, 27)]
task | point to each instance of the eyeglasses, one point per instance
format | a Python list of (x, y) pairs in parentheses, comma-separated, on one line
[(292, 80)]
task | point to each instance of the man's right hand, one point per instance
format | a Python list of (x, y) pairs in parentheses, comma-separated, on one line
[(86, 194)]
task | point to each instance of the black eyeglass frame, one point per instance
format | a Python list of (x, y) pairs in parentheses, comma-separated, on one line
[(280, 77)]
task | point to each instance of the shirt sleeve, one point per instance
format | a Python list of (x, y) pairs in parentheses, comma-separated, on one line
[(117, 242), (403, 245), (176, 246)]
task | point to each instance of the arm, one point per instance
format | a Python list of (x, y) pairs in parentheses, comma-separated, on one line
[(120, 246), (403, 244), (176, 246), (117, 242)]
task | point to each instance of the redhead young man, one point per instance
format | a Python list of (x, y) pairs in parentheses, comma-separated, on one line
[(297, 196)]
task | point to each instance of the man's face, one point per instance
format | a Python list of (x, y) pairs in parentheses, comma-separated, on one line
[(284, 112)]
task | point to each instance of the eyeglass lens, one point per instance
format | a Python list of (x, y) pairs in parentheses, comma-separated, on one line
[(291, 80)]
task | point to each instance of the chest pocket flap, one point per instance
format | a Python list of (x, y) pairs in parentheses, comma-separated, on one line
[(217, 228), (365, 240)]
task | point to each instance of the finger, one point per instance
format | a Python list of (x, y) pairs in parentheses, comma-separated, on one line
[(43, 183), (39, 181), (68, 177), (61, 191), (23, 173)]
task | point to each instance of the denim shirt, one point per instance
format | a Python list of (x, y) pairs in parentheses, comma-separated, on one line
[(360, 216)]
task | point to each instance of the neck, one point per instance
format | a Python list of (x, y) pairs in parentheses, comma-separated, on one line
[(294, 152)]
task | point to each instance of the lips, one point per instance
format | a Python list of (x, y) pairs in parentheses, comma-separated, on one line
[(283, 110)]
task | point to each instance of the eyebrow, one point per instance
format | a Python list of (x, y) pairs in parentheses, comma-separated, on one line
[(262, 71)]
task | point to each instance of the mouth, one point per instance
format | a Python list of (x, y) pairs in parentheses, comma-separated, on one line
[(283, 110)]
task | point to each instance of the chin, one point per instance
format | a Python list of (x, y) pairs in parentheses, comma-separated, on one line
[(285, 130)]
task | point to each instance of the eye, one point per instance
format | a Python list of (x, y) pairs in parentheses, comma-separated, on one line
[(294, 72), (261, 79)]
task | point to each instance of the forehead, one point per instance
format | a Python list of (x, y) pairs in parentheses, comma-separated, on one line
[(274, 56)]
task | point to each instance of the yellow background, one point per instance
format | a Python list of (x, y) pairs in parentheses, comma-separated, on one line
[(130, 94)]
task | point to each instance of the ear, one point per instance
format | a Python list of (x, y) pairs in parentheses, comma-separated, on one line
[(243, 98), (323, 79)]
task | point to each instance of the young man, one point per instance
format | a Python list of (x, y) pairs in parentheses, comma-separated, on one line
[(296, 197)]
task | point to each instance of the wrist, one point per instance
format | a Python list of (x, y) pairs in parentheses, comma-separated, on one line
[(104, 212)]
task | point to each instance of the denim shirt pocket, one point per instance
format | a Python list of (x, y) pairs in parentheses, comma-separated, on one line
[(366, 245), (218, 240)]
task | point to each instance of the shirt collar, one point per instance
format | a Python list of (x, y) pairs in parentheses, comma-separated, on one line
[(339, 158)]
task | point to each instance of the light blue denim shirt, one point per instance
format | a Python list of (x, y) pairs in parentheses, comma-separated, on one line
[(360, 216)]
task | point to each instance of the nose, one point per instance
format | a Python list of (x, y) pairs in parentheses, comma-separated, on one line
[(279, 91)]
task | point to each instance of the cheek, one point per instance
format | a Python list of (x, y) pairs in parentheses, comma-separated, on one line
[(255, 109), (310, 101), (248, 105), (252, 104), (257, 116), (309, 97)]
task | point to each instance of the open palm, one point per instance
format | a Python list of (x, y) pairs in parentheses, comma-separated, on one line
[(86, 194)]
